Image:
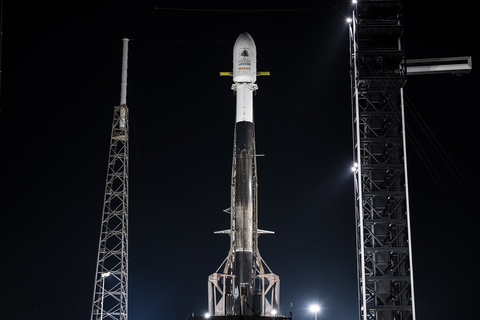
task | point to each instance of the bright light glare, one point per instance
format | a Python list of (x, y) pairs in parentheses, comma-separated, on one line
[(355, 166), (274, 312), (207, 315), (349, 20), (314, 308), (354, 1)]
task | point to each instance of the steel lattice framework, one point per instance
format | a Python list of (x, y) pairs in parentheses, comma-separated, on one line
[(110, 293), (111, 284), (378, 74)]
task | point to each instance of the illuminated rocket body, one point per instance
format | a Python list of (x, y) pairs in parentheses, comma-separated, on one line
[(244, 77), (244, 285)]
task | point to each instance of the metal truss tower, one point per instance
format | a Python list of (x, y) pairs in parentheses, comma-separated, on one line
[(110, 294), (378, 74)]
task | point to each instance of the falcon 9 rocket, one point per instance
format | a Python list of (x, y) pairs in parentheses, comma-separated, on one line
[(244, 288)]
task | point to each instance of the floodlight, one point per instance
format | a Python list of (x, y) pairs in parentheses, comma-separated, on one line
[(314, 308)]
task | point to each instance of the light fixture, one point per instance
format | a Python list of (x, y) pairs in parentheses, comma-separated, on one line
[(355, 166), (315, 308), (104, 275)]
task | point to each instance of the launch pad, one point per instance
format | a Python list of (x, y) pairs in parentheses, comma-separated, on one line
[(263, 298), (279, 317)]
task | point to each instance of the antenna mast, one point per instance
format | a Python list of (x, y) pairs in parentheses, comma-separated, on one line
[(110, 294)]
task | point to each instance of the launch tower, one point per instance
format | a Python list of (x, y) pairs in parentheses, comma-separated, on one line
[(378, 74), (110, 292)]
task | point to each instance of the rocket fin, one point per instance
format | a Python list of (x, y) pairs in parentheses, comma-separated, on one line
[(223, 232), (259, 231)]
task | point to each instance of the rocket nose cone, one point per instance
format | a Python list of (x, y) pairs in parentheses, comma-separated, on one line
[(244, 38), (245, 41), (244, 59)]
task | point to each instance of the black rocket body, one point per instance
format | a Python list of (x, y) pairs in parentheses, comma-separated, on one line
[(244, 228)]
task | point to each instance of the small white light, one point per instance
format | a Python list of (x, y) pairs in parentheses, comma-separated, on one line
[(207, 315), (349, 20), (274, 312), (354, 1), (106, 274)]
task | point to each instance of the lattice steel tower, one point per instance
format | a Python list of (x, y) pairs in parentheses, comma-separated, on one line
[(378, 74), (110, 293)]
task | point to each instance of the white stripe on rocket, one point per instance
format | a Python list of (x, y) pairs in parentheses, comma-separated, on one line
[(244, 102)]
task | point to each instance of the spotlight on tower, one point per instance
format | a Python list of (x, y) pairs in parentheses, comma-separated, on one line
[(315, 308)]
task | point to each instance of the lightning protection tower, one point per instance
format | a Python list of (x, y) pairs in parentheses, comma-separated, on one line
[(378, 74), (110, 293)]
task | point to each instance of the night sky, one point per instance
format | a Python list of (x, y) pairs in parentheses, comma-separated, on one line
[(61, 65)]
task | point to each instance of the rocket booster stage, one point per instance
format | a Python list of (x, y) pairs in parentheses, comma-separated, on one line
[(244, 76), (244, 284)]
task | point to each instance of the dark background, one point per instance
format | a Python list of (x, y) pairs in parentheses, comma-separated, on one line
[(61, 68)]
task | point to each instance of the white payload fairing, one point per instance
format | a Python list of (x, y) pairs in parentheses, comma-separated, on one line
[(244, 59), (244, 288), (244, 75)]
